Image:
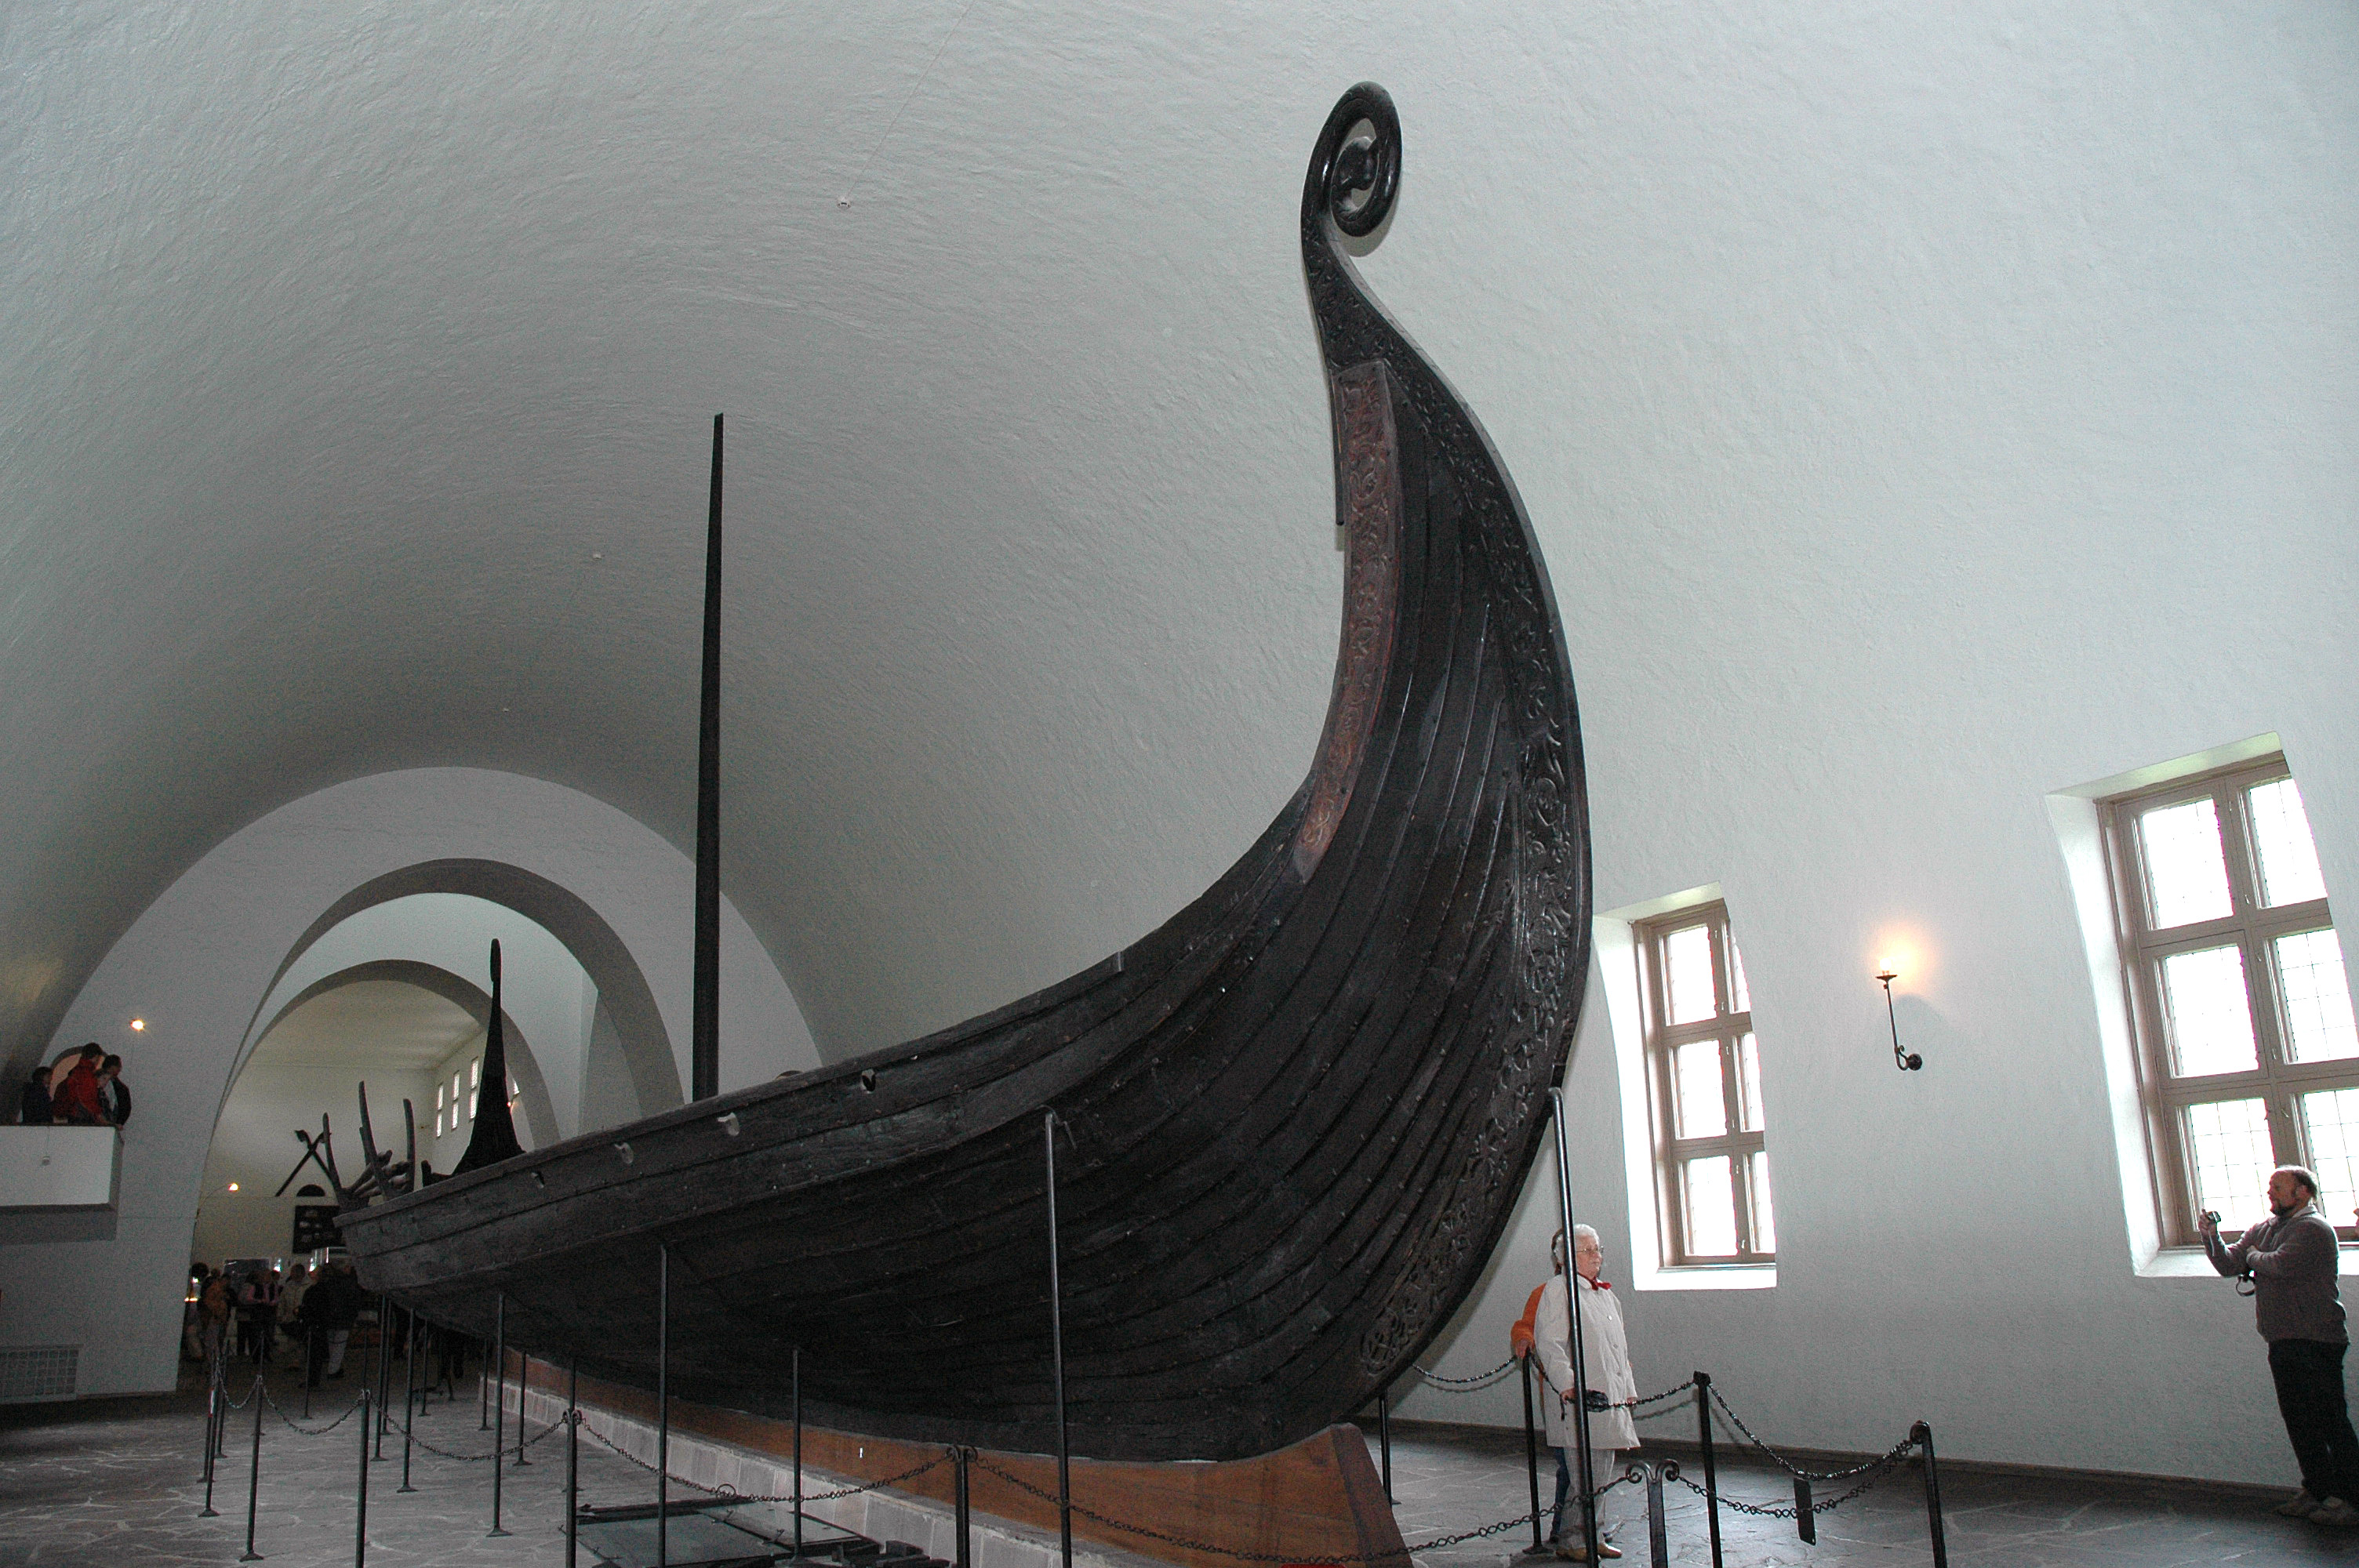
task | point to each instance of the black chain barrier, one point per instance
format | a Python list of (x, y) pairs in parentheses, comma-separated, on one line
[(1879, 1464), (1465, 1385), (734, 1494), (312, 1430), (1873, 1474), (1146, 1533), (1869, 1474), (505, 1449)]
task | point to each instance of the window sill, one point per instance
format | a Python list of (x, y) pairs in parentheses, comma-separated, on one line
[(2190, 1264), (1711, 1277)]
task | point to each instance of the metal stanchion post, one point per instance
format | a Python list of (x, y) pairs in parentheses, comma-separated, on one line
[(408, 1399), (254, 1474), (1057, 1355), (484, 1399), (1923, 1434), (524, 1384), (965, 1513), (1806, 1517), (663, 1405), (213, 1420), (798, 1452), (1587, 1475), (359, 1498), (498, 1370), (1532, 1454), (1385, 1437), (311, 1365), (384, 1368), (1710, 1470), (573, 1460), (1658, 1541)]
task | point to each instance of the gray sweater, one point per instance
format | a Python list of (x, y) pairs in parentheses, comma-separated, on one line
[(2292, 1261)]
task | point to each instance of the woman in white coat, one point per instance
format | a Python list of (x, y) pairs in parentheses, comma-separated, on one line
[(1607, 1353)]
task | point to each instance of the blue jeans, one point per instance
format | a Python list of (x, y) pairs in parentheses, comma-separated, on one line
[(1564, 1494)]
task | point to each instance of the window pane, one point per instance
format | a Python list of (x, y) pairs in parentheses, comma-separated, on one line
[(1710, 1207), (1743, 991), (2186, 874), (1756, 1192), (2210, 1021), (1687, 974), (2230, 1142), (2288, 857), (2317, 997), (1748, 1085), (2331, 1127), (1698, 1107), (476, 1074)]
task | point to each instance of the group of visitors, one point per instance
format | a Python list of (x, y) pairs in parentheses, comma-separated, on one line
[(314, 1310), (84, 1087), (2291, 1261)]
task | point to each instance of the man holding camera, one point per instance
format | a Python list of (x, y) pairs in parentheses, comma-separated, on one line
[(2290, 1258)]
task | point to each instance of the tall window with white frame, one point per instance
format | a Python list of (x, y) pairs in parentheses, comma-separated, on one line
[(2247, 1055), (1704, 1070)]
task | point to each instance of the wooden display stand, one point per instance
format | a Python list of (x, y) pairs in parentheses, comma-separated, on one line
[(1321, 1498)]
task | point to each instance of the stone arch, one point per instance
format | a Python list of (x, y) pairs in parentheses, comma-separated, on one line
[(540, 1113)]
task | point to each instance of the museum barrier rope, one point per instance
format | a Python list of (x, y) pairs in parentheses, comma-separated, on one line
[(1184, 1543), (1706, 1397), (735, 1495), (312, 1430)]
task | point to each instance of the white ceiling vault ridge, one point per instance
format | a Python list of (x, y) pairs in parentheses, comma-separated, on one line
[(1921, 409), (357, 361)]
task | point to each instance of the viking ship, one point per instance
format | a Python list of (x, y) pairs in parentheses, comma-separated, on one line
[(1289, 1123)]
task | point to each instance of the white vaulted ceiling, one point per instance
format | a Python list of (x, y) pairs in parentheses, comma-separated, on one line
[(356, 365)]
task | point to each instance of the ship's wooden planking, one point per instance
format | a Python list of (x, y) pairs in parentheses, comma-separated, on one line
[(1299, 1111)]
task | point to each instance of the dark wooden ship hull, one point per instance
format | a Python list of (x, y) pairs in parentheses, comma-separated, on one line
[(1299, 1112)]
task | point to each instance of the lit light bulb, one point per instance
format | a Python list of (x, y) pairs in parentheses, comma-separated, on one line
[(232, 1186), (137, 1024)]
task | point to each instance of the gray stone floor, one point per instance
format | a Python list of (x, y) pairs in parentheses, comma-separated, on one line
[(119, 1482)]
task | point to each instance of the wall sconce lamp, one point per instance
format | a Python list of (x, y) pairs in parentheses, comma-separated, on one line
[(1906, 1061)]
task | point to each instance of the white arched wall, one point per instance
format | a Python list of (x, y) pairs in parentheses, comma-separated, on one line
[(536, 1114), (200, 963), (546, 990)]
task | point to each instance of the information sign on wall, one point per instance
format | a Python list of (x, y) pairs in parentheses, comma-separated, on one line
[(315, 1227)]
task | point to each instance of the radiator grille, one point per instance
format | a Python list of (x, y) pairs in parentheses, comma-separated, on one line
[(37, 1372)]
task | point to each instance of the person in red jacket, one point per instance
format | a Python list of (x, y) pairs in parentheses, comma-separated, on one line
[(75, 1100)]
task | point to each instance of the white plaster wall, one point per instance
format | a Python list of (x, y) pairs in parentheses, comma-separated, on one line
[(198, 962), (543, 984), (254, 1146)]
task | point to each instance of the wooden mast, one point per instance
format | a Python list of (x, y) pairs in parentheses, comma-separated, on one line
[(704, 1038)]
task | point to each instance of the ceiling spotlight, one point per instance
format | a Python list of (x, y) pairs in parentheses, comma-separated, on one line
[(232, 1186), (137, 1024)]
